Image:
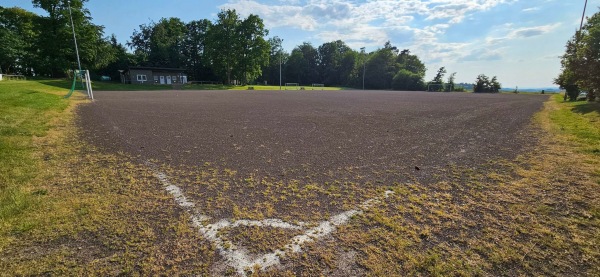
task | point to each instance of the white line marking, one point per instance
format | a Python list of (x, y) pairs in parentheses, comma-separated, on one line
[(238, 257)]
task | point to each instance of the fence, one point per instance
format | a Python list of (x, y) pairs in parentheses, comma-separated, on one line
[(12, 77)]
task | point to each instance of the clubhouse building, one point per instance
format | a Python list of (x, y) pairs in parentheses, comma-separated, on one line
[(153, 75)]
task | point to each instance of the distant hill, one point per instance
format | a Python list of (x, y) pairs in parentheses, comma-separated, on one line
[(469, 87), (547, 89)]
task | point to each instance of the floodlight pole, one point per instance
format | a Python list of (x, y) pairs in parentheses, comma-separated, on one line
[(280, 41), (583, 16), (74, 37), (362, 51)]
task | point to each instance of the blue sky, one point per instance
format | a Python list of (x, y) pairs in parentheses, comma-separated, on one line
[(519, 41)]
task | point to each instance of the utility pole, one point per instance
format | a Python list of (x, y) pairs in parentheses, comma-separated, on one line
[(362, 51)]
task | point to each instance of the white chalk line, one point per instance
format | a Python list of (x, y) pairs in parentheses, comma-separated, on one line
[(238, 257)]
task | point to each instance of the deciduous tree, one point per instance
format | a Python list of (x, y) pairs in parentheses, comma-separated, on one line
[(17, 36), (194, 50), (56, 52)]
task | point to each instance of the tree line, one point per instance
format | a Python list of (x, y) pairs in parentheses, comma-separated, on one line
[(43, 45), (233, 48), (230, 49), (581, 62)]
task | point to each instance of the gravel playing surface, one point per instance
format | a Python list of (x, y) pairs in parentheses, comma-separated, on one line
[(377, 136)]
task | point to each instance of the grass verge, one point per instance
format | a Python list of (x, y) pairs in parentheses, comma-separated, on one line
[(86, 212), (539, 217), (26, 112), (114, 86)]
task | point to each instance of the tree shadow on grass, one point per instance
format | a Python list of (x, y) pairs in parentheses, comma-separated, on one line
[(589, 107), (59, 83)]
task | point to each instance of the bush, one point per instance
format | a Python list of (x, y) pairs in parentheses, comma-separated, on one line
[(484, 84), (407, 80)]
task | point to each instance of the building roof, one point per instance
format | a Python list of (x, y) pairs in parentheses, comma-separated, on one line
[(155, 68)]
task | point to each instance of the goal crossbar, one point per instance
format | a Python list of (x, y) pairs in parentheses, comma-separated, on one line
[(291, 86)]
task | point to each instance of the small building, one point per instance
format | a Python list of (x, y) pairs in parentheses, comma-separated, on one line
[(153, 75)]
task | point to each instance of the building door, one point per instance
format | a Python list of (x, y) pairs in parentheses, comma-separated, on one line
[(168, 80), (184, 79), (162, 80)]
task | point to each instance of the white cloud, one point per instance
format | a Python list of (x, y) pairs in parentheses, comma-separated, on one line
[(482, 54), (421, 23), (532, 31), (308, 14), (276, 15), (533, 9)]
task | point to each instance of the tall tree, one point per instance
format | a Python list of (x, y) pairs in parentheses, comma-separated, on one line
[(411, 63), (116, 58), (160, 44), (302, 66), (17, 35), (194, 50), (56, 52), (588, 56), (408, 62), (438, 80), (381, 68), (331, 55), (451, 81), (253, 51), (140, 42), (277, 60), (224, 44), (484, 84), (581, 61)]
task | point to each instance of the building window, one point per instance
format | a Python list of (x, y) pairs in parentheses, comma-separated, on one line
[(141, 78)]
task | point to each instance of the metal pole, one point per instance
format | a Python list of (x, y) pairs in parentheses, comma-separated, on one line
[(583, 16), (280, 40), (362, 50), (74, 37), (89, 84)]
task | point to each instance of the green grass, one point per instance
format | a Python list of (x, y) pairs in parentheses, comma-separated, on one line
[(581, 120), (69, 210), (261, 87), (114, 86), (25, 108)]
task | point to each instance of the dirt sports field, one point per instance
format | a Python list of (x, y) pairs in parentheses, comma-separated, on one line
[(332, 183)]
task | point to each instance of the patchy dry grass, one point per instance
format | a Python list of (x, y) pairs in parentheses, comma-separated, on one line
[(92, 213), (542, 219)]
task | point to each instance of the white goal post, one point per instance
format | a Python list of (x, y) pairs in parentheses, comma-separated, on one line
[(318, 86), (440, 87), (294, 86), (88, 84)]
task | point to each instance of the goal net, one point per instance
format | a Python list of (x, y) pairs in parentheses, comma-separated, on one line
[(292, 86), (446, 87), (86, 83)]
